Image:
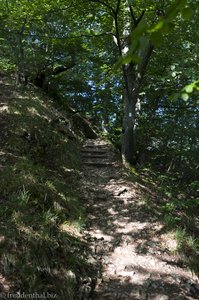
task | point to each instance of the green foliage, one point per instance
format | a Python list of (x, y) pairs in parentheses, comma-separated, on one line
[(37, 37), (180, 213), (6, 65), (177, 208), (189, 89)]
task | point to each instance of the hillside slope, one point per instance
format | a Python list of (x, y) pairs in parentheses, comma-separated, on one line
[(74, 223), (40, 247)]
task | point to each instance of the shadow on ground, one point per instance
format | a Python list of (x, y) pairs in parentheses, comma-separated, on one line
[(136, 250)]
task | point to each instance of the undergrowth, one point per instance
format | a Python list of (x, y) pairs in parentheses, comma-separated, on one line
[(177, 205)]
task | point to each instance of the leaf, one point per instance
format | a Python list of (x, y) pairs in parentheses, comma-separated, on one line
[(187, 13), (139, 30), (189, 88), (157, 38), (136, 59), (129, 58), (126, 59), (168, 27), (174, 97), (173, 67), (157, 27), (134, 45), (173, 74), (175, 8), (185, 96)]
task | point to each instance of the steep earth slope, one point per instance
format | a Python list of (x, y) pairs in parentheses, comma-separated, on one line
[(41, 214)]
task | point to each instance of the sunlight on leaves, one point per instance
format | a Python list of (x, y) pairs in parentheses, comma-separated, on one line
[(185, 96)]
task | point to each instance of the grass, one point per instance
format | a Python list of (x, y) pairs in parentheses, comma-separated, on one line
[(38, 188), (177, 205), (180, 214)]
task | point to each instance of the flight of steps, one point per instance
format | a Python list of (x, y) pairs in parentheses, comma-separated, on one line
[(97, 153)]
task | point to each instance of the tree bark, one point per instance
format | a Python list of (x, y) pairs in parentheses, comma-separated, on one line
[(132, 77), (21, 76), (130, 97)]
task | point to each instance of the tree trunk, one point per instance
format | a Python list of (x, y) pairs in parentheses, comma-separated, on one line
[(21, 76), (130, 96), (132, 77), (132, 73), (129, 137)]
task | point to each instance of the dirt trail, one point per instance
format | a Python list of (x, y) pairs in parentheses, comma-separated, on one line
[(129, 241)]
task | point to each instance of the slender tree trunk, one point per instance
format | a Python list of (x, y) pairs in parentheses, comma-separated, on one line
[(129, 134), (132, 77), (130, 95), (21, 76)]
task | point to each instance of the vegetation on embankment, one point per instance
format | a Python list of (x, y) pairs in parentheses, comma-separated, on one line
[(177, 206), (40, 211)]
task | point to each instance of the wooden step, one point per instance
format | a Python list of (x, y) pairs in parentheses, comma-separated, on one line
[(96, 151), (97, 164), (96, 145), (96, 159), (97, 148), (91, 155)]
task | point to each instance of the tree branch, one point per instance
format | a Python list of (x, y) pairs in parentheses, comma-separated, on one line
[(61, 69), (106, 5), (140, 17), (135, 20), (133, 16), (60, 37), (118, 7), (144, 62)]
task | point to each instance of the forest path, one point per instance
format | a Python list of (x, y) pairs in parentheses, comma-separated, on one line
[(129, 241)]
